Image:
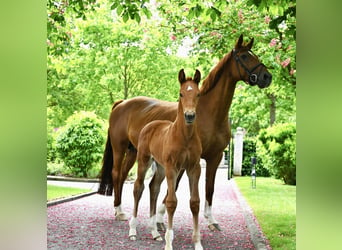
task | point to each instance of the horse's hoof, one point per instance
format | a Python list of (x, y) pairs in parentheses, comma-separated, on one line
[(158, 238), (214, 227), (161, 226), (133, 237), (121, 217)]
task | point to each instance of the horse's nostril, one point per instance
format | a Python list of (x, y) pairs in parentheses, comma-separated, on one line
[(190, 117)]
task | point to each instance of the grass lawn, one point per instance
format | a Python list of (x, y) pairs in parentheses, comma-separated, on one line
[(274, 205), (57, 192)]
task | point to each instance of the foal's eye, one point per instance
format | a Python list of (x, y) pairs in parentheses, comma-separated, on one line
[(180, 94)]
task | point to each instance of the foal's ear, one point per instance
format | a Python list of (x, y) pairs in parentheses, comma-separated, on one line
[(197, 77), (250, 44), (181, 76), (239, 42)]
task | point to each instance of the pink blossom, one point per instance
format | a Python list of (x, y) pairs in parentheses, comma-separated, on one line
[(273, 42), (267, 19), (285, 62), (292, 71), (240, 14), (173, 37)]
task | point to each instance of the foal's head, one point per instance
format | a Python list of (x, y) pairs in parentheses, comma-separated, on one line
[(189, 95), (249, 67)]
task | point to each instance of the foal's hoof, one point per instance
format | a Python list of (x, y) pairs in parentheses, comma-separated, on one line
[(121, 217), (214, 227), (133, 237), (161, 226)]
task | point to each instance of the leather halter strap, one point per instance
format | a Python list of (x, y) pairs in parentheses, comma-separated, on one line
[(253, 78)]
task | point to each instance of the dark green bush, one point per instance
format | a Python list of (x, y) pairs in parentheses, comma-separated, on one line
[(249, 151), (80, 143), (277, 147)]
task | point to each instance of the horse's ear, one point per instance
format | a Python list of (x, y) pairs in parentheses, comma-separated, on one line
[(239, 42), (181, 76), (197, 77), (250, 44)]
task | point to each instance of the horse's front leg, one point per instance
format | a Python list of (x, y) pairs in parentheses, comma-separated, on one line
[(161, 209), (155, 183), (211, 168), (171, 204), (194, 176)]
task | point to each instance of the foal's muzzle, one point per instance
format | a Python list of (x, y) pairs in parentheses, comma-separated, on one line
[(189, 117)]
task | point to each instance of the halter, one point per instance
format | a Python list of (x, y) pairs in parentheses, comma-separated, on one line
[(253, 78)]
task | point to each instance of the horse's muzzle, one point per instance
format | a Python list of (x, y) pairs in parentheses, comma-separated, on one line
[(189, 117), (264, 80)]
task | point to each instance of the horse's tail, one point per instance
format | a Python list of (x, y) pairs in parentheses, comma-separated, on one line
[(106, 181)]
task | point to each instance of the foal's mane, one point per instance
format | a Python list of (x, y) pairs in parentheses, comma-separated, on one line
[(212, 79)]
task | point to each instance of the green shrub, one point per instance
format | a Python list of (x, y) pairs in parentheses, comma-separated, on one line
[(277, 147), (249, 151), (55, 169), (80, 143)]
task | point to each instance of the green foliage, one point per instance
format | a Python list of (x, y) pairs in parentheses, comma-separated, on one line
[(56, 169), (277, 147), (80, 143), (249, 151)]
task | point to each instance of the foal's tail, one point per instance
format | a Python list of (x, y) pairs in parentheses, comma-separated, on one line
[(106, 184)]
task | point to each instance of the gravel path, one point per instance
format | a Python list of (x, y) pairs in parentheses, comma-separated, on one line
[(88, 223)]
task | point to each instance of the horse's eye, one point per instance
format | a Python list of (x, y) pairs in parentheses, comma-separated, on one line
[(244, 57), (180, 94)]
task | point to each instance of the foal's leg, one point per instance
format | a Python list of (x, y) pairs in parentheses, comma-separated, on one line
[(171, 204), (154, 192), (194, 176), (161, 208), (211, 168), (143, 164)]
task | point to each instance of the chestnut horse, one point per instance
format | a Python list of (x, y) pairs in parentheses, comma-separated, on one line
[(128, 117), (175, 146)]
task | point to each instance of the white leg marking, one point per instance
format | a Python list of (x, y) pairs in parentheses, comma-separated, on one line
[(208, 214), (154, 230), (119, 214), (168, 239), (160, 213), (196, 238), (133, 228)]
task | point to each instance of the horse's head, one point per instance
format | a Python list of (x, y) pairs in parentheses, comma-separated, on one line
[(250, 69), (189, 94)]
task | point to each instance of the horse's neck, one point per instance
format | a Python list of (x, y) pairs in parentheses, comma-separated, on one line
[(214, 105)]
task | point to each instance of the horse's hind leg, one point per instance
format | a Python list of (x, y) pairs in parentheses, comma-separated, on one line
[(143, 165), (124, 163), (155, 183), (161, 208), (194, 176)]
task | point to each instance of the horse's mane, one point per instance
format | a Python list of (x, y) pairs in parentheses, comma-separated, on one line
[(212, 79)]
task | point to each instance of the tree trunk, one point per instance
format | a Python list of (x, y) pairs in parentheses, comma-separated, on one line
[(272, 109)]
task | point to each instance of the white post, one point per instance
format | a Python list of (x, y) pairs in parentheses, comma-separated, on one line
[(238, 150)]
